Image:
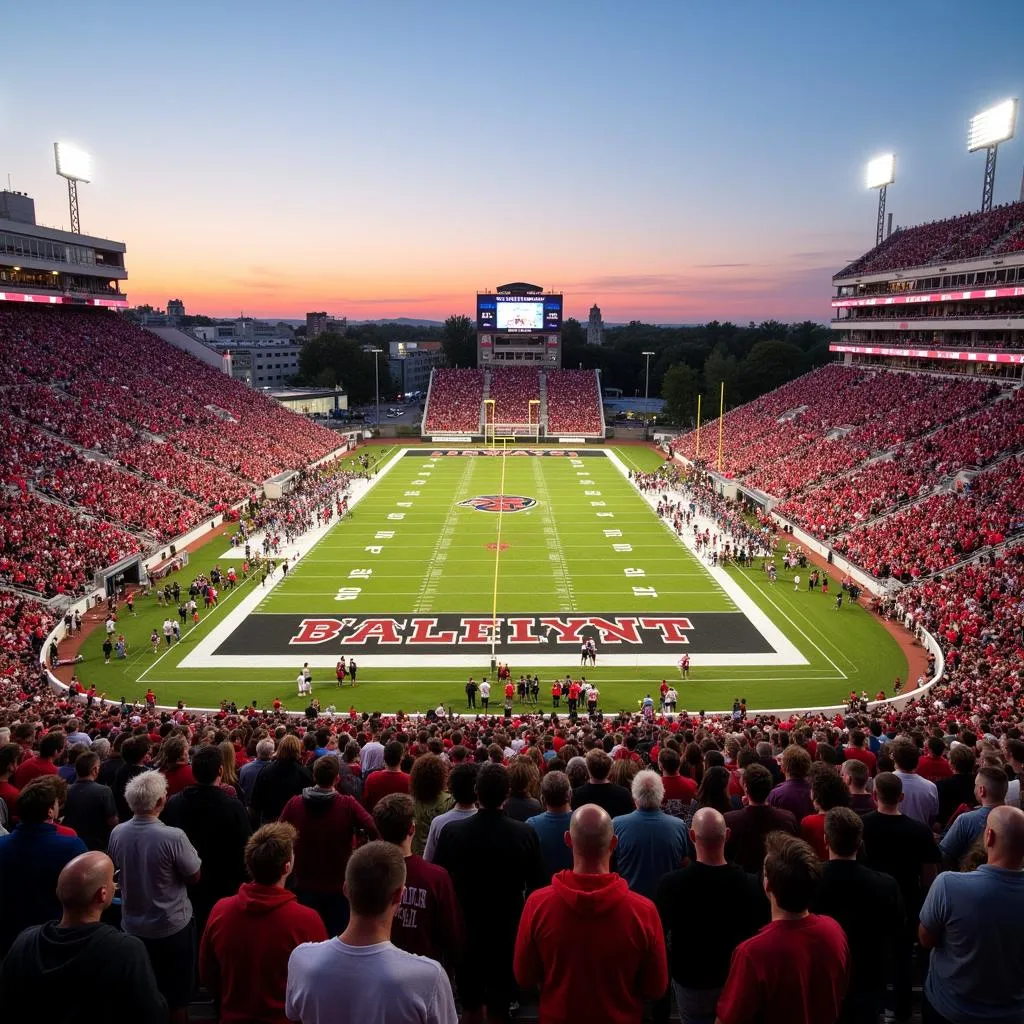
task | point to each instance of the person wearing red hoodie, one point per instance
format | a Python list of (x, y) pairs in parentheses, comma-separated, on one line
[(591, 908), (327, 822), (243, 955)]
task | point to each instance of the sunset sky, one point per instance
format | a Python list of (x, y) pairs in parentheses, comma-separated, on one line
[(673, 161)]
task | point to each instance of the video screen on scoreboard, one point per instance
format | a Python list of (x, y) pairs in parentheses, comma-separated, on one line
[(519, 314)]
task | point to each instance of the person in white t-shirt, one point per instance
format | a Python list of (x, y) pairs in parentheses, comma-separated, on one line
[(485, 694), (361, 970)]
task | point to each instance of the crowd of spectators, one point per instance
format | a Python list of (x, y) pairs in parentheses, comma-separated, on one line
[(957, 238), (604, 861), (573, 402), (512, 389), (455, 402), (942, 530)]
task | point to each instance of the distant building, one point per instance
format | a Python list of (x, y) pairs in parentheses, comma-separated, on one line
[(410, 363), (319, 323), (175, 309), (595, 326)]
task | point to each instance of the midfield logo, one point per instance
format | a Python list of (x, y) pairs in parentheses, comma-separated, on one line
[(499, 503)]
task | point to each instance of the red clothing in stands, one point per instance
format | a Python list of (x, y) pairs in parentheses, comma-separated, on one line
[(812, 831), (178, 777), (9, 795), (379, 784), (934, 768), (864, 755), (31, 769), (679, 787), (790, 972), (326, 824), (243, 956), (428, 921), (596, 949)]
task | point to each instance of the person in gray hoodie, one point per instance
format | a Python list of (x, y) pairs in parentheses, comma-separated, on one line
[(80, 956)]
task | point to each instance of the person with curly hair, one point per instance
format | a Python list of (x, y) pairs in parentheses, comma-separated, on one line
[(427, 788)]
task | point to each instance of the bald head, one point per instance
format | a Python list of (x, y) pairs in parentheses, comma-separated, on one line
[(590, 832), (86, 882), (709, 826), (1004, 837)]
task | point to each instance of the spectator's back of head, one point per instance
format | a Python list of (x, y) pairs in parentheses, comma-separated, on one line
[(145, 792), (796, 762), (757, 781), (599, 764), (374, 879), (648, 791), (791, 872), (990, 785), (326, 771), (207, 764), (576, 771), (888, 789), (36, 799), (843, 831), (905, 755), (52, 744), (134, 750), (856, 773), (265, 749), (492, 786), (269, 851), (393, 754), (591, 833), (394, 815), (462, 783), (86, 881), (85, 763), (555, 790)]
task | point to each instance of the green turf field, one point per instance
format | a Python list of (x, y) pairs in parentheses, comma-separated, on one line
[(410, 551)]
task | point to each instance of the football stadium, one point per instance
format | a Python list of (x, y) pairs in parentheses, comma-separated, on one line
[(315, 717)]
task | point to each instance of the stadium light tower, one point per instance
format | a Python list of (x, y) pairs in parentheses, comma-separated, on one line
[(647, 384), (881, 174), (75, 165), (376, 384), (986, 131)]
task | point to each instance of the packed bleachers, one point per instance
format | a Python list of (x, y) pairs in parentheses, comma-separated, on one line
[(957, 238), (573, 402), (89, 380), (513, 389), (454, 404)]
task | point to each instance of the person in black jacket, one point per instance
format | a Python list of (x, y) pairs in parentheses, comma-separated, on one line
[(847, 888), (133, 753), (217, 826), (494, 863), (616, 800), (61, 963), (284, 778)]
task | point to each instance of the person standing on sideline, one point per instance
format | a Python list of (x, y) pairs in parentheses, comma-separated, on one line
[(595, 948), (649, 842), (485, 694), (971, 921), (471, 689), (707, 910), (79, 955), (243, 956), (361, 970), (552, 825), (157, 863), (795, 970)]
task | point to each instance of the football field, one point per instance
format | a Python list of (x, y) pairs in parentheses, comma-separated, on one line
[(453, 557)]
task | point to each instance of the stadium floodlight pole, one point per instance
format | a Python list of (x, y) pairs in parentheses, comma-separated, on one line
[(647, 384), (376, 384), (986, 131), (74, 165), (529, 416), (881, 174)]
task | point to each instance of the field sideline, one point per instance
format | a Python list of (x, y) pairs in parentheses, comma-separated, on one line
[(557, 560)]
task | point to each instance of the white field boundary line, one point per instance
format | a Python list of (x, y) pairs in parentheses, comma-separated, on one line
[(200, 655), (781, 644)]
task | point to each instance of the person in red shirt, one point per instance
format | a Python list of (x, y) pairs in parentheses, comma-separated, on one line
[(174, 764), (556, 693), (10, 753), (574, 695), (857, 751), (933, 765), (428, 921), (678, 788), (796, 969), (389, 779), (50, 748), (591, 909), (327, 822), (244, 951), (827, 791)]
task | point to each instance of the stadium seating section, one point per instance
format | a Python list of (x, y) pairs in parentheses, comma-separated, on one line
[(453, 405), (117, 441), (959, 238), (574, 402)]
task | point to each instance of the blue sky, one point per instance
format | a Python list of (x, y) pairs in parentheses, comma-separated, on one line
[(671, 161)]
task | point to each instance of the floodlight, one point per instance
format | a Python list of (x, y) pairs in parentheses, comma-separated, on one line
[(992, 126), (72, 163), (881, 171)]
